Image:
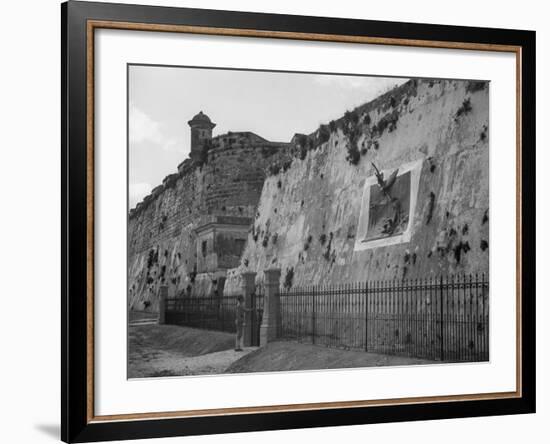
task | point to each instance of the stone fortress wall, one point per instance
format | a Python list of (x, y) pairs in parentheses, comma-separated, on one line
[(221, 183), (242, 203), (308, 219)]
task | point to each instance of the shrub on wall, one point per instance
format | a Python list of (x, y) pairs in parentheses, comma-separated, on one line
[(351, 117), (354, 155), (289, 278), (389, 122), (475, 85), (308, 242), (324, 134), (464, 109), (274, 169)]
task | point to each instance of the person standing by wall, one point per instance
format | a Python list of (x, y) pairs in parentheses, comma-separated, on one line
[(239, 322)]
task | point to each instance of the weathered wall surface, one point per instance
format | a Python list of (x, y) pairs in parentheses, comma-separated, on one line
[(161, 239), (235, 173), (308, 214), (162, 244)]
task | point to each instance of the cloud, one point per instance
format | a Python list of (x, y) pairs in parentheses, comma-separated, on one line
[(144, 129), (173, 145), (137, 192)]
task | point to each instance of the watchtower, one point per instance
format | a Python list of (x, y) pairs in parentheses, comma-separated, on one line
[(201, 135)]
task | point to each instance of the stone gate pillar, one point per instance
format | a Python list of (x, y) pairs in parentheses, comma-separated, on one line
[(271, 317), (163, 295), (248, 286)]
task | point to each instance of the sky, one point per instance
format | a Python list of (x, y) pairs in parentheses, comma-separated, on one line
[(274, 105)]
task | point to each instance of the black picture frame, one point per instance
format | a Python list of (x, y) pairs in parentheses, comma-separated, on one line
[(76, 326)]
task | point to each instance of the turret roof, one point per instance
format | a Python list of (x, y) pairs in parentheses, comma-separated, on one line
[(200, 118)]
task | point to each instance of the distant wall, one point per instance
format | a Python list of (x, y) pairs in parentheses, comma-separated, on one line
[(161, 239), (308, 215), (162, 243), (235, 172)]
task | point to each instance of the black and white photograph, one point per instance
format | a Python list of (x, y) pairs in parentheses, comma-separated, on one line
[(293, 221), (275, 222)]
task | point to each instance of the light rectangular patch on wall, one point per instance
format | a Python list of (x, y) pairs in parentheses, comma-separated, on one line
[(388, 206)]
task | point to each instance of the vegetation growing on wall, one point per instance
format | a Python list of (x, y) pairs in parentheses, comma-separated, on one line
[(307, 246), (354, 155), (464, 109), (483, 133), (308, 242), (387, 122), (289, 278), (475, 85), (274, 169), (152, 258)]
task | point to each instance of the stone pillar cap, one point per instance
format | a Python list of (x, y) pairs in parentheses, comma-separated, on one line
[(248, 279), (272, 276), (248, 273)]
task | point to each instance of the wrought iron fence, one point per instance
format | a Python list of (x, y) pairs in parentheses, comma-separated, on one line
[(214, 313), (445, 318)]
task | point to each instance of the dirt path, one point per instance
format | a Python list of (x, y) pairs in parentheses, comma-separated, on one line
[(135, 316), (288, 356), (169, 350), (169, 364)]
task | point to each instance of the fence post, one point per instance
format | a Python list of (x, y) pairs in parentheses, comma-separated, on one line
[(163, 295), (441, 328), (248, 284), (366, 316), (313, 319), (271, 315)]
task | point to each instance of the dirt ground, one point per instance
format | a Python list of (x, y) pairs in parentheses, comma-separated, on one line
[(170, 350), (163, 364), (287, 356), (134, 316)]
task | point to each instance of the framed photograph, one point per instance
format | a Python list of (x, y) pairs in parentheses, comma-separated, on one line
[(275, 221)]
